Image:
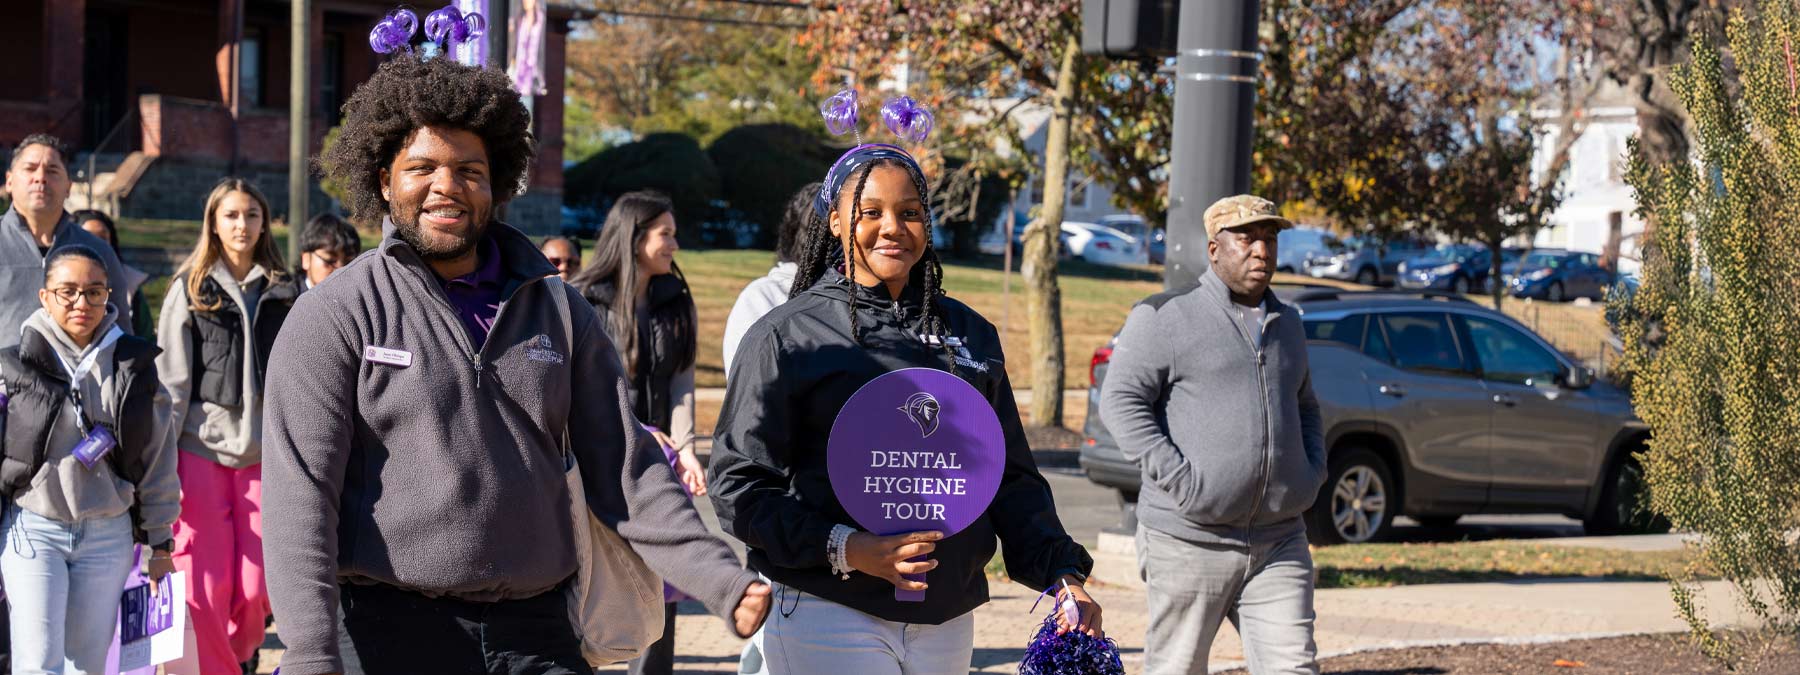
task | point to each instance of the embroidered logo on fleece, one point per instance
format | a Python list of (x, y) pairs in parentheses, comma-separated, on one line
[(958, 349), (541, 349)]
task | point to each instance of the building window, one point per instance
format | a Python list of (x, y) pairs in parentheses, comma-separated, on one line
[(331, 77), (1037, 188), (1078, 193), (250, 69), (1615, 159)]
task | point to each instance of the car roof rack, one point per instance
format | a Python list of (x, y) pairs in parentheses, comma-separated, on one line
[(1341, 294)]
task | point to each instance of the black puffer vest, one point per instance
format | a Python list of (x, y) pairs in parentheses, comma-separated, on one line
[(661, 342), (38, 388), (217, 336)]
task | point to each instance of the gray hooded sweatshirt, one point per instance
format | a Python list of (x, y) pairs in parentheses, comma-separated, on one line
[(63, 489), (230, 436), (400, 452), (1220, 418)]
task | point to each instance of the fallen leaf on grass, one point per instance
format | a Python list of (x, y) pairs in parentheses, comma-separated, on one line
[(1565, 663)]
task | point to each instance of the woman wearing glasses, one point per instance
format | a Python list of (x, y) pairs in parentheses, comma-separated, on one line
[(85, 471), (224, 308)]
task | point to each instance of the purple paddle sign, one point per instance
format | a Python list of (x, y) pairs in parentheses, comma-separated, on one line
[(916, 449)]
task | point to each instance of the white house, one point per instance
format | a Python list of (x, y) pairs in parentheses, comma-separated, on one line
[(1088, 200), (1597, 205)]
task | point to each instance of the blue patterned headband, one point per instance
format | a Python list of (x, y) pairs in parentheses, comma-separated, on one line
[(856, 158)]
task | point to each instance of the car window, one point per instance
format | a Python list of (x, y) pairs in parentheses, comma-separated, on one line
[(1423, 342), (1348, 330), (1550, 260), (1507, 355), (1376, 344)]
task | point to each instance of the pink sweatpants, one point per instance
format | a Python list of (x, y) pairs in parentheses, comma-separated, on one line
[(218, 543)]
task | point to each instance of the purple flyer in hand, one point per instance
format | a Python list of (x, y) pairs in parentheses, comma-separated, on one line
[(143, 614), (916, 449)]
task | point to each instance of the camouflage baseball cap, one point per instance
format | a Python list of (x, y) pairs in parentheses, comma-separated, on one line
[(1241, 210)]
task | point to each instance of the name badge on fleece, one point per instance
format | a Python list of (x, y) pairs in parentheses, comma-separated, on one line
[(393, 357)]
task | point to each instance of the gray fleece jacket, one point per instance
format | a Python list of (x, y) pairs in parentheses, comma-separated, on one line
[(64, 489), (1226, 430), (435, 466), (22, 272)]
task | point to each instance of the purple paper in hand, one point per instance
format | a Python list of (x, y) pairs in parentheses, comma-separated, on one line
[(916, 449), (95, 446), (143, 614)]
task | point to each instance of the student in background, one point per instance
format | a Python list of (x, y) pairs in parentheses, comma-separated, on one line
[(132, 291), (34, 224), (771, 290), (564, 253), (218, 323), (330, 242)]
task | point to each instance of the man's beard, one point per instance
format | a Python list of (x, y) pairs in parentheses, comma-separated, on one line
[(433, 246)]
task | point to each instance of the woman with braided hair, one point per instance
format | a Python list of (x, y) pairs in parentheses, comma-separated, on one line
[(868, 299)]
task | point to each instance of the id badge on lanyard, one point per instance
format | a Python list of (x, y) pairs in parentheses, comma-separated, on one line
[(96, 440)]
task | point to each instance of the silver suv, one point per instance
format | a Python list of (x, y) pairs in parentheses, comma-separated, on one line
[(1436, 407)]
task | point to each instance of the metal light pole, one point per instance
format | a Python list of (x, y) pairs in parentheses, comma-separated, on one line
[(299, 121), (1215, 94)]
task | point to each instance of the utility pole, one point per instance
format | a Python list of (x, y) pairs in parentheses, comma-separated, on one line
[(1215, 97), (299, 121)]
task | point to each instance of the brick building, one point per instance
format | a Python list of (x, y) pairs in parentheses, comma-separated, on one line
[(164, 97)]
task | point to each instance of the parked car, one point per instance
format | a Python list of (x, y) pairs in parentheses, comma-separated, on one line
[(1435, 408), (582, 222), (1296, 247), (1458, 268), (991, 242), (1366, 261), (1135, 226), (1557, 275), (1102, 245)]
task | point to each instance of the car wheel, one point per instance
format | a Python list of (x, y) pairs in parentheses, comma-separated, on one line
[(1357, 504), (1623, 503), (1438, 522), (1367, 276), (1460, 285), (1555, 293)]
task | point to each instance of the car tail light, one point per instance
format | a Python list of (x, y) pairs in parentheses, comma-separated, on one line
[(1102, 356), (1103, 245)]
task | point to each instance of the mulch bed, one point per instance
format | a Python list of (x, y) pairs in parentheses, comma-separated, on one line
[(1635, 654)]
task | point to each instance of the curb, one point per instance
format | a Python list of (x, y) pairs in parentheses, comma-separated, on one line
[(1225, 666)]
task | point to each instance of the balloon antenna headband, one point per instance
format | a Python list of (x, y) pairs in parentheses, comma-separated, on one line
[(446, 27), (901, 115)]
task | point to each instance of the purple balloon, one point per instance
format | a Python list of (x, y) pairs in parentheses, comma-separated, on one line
[(907, 119), (916, 449), (840, 112), (440, 24)]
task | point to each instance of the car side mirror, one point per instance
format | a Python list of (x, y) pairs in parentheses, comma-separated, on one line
[(1577, 377)]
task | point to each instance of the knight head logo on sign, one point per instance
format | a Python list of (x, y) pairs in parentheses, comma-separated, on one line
[(922, 408)]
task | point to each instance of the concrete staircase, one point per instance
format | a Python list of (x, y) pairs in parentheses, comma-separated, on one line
[(115, 174)]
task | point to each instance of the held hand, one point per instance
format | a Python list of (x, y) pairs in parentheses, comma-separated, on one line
[(691, 474), (886, 557), (1084, 603), (751, 610), (161, 566)]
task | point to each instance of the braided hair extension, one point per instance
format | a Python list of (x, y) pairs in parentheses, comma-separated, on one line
[(821, 248)]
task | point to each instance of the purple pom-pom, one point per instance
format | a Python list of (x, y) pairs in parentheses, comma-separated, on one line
[(394, 32), (1072, 653), (473, 26), (441, 23), (839, 112), (907, 119)]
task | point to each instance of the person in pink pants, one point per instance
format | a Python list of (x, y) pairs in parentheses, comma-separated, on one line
[(223, 310)]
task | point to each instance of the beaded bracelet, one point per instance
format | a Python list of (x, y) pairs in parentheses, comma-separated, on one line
[(836, 550)]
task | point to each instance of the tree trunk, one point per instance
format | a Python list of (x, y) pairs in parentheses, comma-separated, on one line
[(1496, 282), (1043, 296)]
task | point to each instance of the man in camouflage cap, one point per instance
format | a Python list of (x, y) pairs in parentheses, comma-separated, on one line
[(1224, 426)]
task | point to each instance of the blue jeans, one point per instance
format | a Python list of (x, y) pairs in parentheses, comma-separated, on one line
[(63, 581)]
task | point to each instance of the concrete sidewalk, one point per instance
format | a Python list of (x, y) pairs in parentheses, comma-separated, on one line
[(1350, 620)]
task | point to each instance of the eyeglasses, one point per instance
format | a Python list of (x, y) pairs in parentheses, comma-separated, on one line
[(558, 262), (95, 296)]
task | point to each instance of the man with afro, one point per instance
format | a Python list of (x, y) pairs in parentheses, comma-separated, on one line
[(422, 409)]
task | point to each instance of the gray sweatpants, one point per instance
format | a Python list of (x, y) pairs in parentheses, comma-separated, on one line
[(1265, 590)]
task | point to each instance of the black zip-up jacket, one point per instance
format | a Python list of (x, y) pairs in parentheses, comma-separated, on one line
[(792, 374)]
